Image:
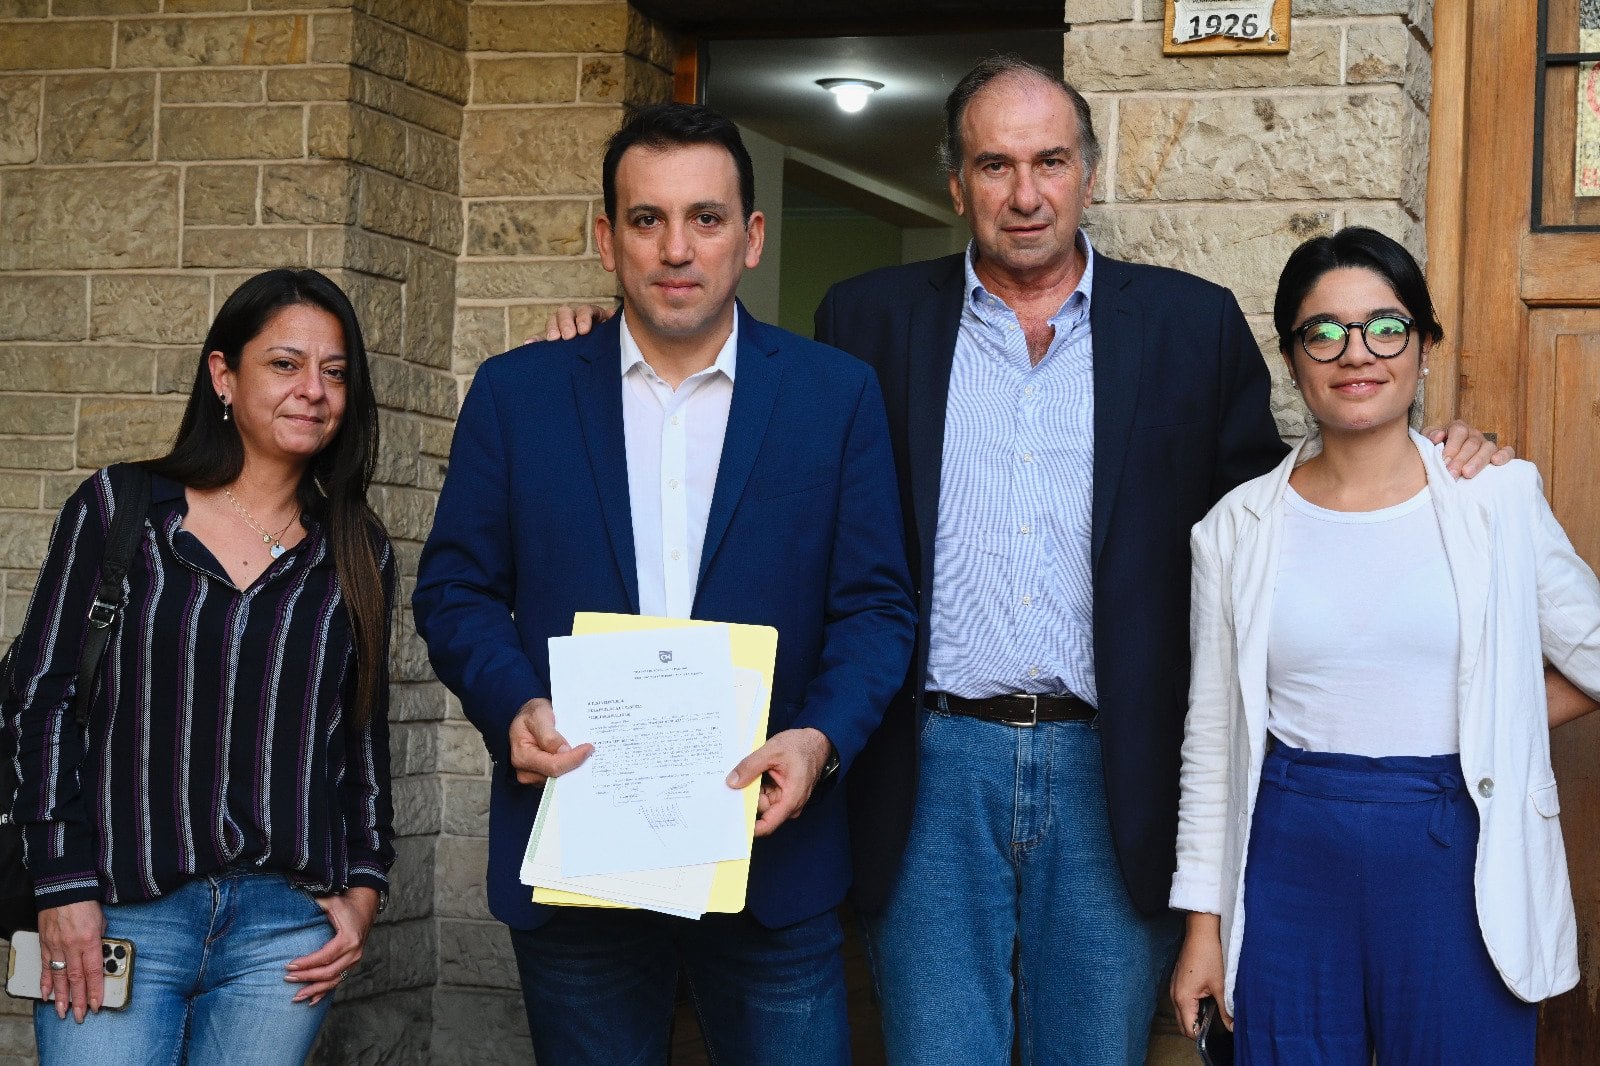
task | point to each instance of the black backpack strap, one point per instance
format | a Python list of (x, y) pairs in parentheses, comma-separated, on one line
[(130, 494)]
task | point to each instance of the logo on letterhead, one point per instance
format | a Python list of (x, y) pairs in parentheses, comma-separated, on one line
[(664, 656)]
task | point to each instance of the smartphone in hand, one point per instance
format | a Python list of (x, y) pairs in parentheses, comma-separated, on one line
[(116, 957), (1213, 1039)]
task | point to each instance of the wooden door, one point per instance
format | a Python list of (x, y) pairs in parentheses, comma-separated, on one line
[(1514, 258)]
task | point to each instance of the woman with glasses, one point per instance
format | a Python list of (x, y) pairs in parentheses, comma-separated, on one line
[(1366, 769)]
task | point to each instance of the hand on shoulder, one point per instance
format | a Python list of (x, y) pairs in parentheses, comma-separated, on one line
[(567, 322), (1467, 451)]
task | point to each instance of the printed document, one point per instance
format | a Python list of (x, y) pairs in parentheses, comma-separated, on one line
[(681, 890), (659, 708)]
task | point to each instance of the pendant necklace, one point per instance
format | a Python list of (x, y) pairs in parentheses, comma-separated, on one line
[(274, 540)]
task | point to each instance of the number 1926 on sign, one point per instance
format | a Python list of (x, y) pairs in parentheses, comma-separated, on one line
[(1245, 20)]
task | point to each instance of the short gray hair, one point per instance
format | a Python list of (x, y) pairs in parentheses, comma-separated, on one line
[(999, 66)]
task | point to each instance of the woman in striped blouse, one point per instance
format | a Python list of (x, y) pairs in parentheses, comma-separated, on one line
[(227, 808)]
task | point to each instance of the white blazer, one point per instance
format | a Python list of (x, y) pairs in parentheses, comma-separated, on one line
[(1523, 595)]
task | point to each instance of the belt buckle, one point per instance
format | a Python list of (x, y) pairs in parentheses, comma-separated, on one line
[(1033, 719)]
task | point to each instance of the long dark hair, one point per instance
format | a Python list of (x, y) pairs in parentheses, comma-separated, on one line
[(208, 452)]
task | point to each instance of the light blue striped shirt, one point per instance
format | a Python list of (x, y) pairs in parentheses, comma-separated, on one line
[(1012, 590)]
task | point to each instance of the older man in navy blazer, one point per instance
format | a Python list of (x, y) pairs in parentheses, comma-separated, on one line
[(1062, 419), (685, 460)]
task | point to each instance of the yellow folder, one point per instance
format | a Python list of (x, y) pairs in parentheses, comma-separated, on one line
[(754, 648)]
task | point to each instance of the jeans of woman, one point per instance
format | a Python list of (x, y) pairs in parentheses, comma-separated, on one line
[(208, 980), (1361, 925)]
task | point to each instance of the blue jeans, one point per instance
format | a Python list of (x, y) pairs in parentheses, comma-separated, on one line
[(208, 980), (1361, 930), (1010, 861), (599, 986)]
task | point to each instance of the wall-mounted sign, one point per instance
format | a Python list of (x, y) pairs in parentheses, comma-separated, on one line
[(1226, 27)]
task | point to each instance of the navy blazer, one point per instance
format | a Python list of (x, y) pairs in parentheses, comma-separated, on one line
[(534, 525), (1181, 416)]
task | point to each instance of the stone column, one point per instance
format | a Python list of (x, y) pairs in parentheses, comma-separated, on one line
[(396, 130), (549, 85), (1221, 165)]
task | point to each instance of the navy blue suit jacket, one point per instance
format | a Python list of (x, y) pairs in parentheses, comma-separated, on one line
[(1181, 416), (534, 525)]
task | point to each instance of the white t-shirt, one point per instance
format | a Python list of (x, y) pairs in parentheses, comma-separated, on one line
[(1362, 653)]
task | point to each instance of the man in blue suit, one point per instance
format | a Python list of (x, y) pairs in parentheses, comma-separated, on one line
[(683, 460)]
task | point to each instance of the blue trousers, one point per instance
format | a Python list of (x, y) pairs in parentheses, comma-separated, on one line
[(599, 988), (1010, 868), (208, 986), (1361, 930)]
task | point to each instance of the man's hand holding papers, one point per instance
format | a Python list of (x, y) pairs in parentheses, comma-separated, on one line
[(621, 698), (538, 751), (792, 761)]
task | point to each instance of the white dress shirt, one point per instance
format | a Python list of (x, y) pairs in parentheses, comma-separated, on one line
[(1013, 590), (674, 446)]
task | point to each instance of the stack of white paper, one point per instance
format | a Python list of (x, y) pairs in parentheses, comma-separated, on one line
[(643, 822)]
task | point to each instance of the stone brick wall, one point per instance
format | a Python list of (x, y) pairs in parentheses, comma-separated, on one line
[(1221, 165), (548, 85), (401, 118)]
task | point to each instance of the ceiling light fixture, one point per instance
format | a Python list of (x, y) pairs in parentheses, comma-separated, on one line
[(850, 93)]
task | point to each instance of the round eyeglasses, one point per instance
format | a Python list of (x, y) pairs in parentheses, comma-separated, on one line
[(1385, 336)]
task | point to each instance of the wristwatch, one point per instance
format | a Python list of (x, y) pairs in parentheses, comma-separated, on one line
[(830, 771)]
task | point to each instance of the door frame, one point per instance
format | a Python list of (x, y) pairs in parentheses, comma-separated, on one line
[(1446, 199)]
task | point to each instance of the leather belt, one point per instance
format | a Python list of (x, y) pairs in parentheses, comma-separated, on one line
[(1013, 710)]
